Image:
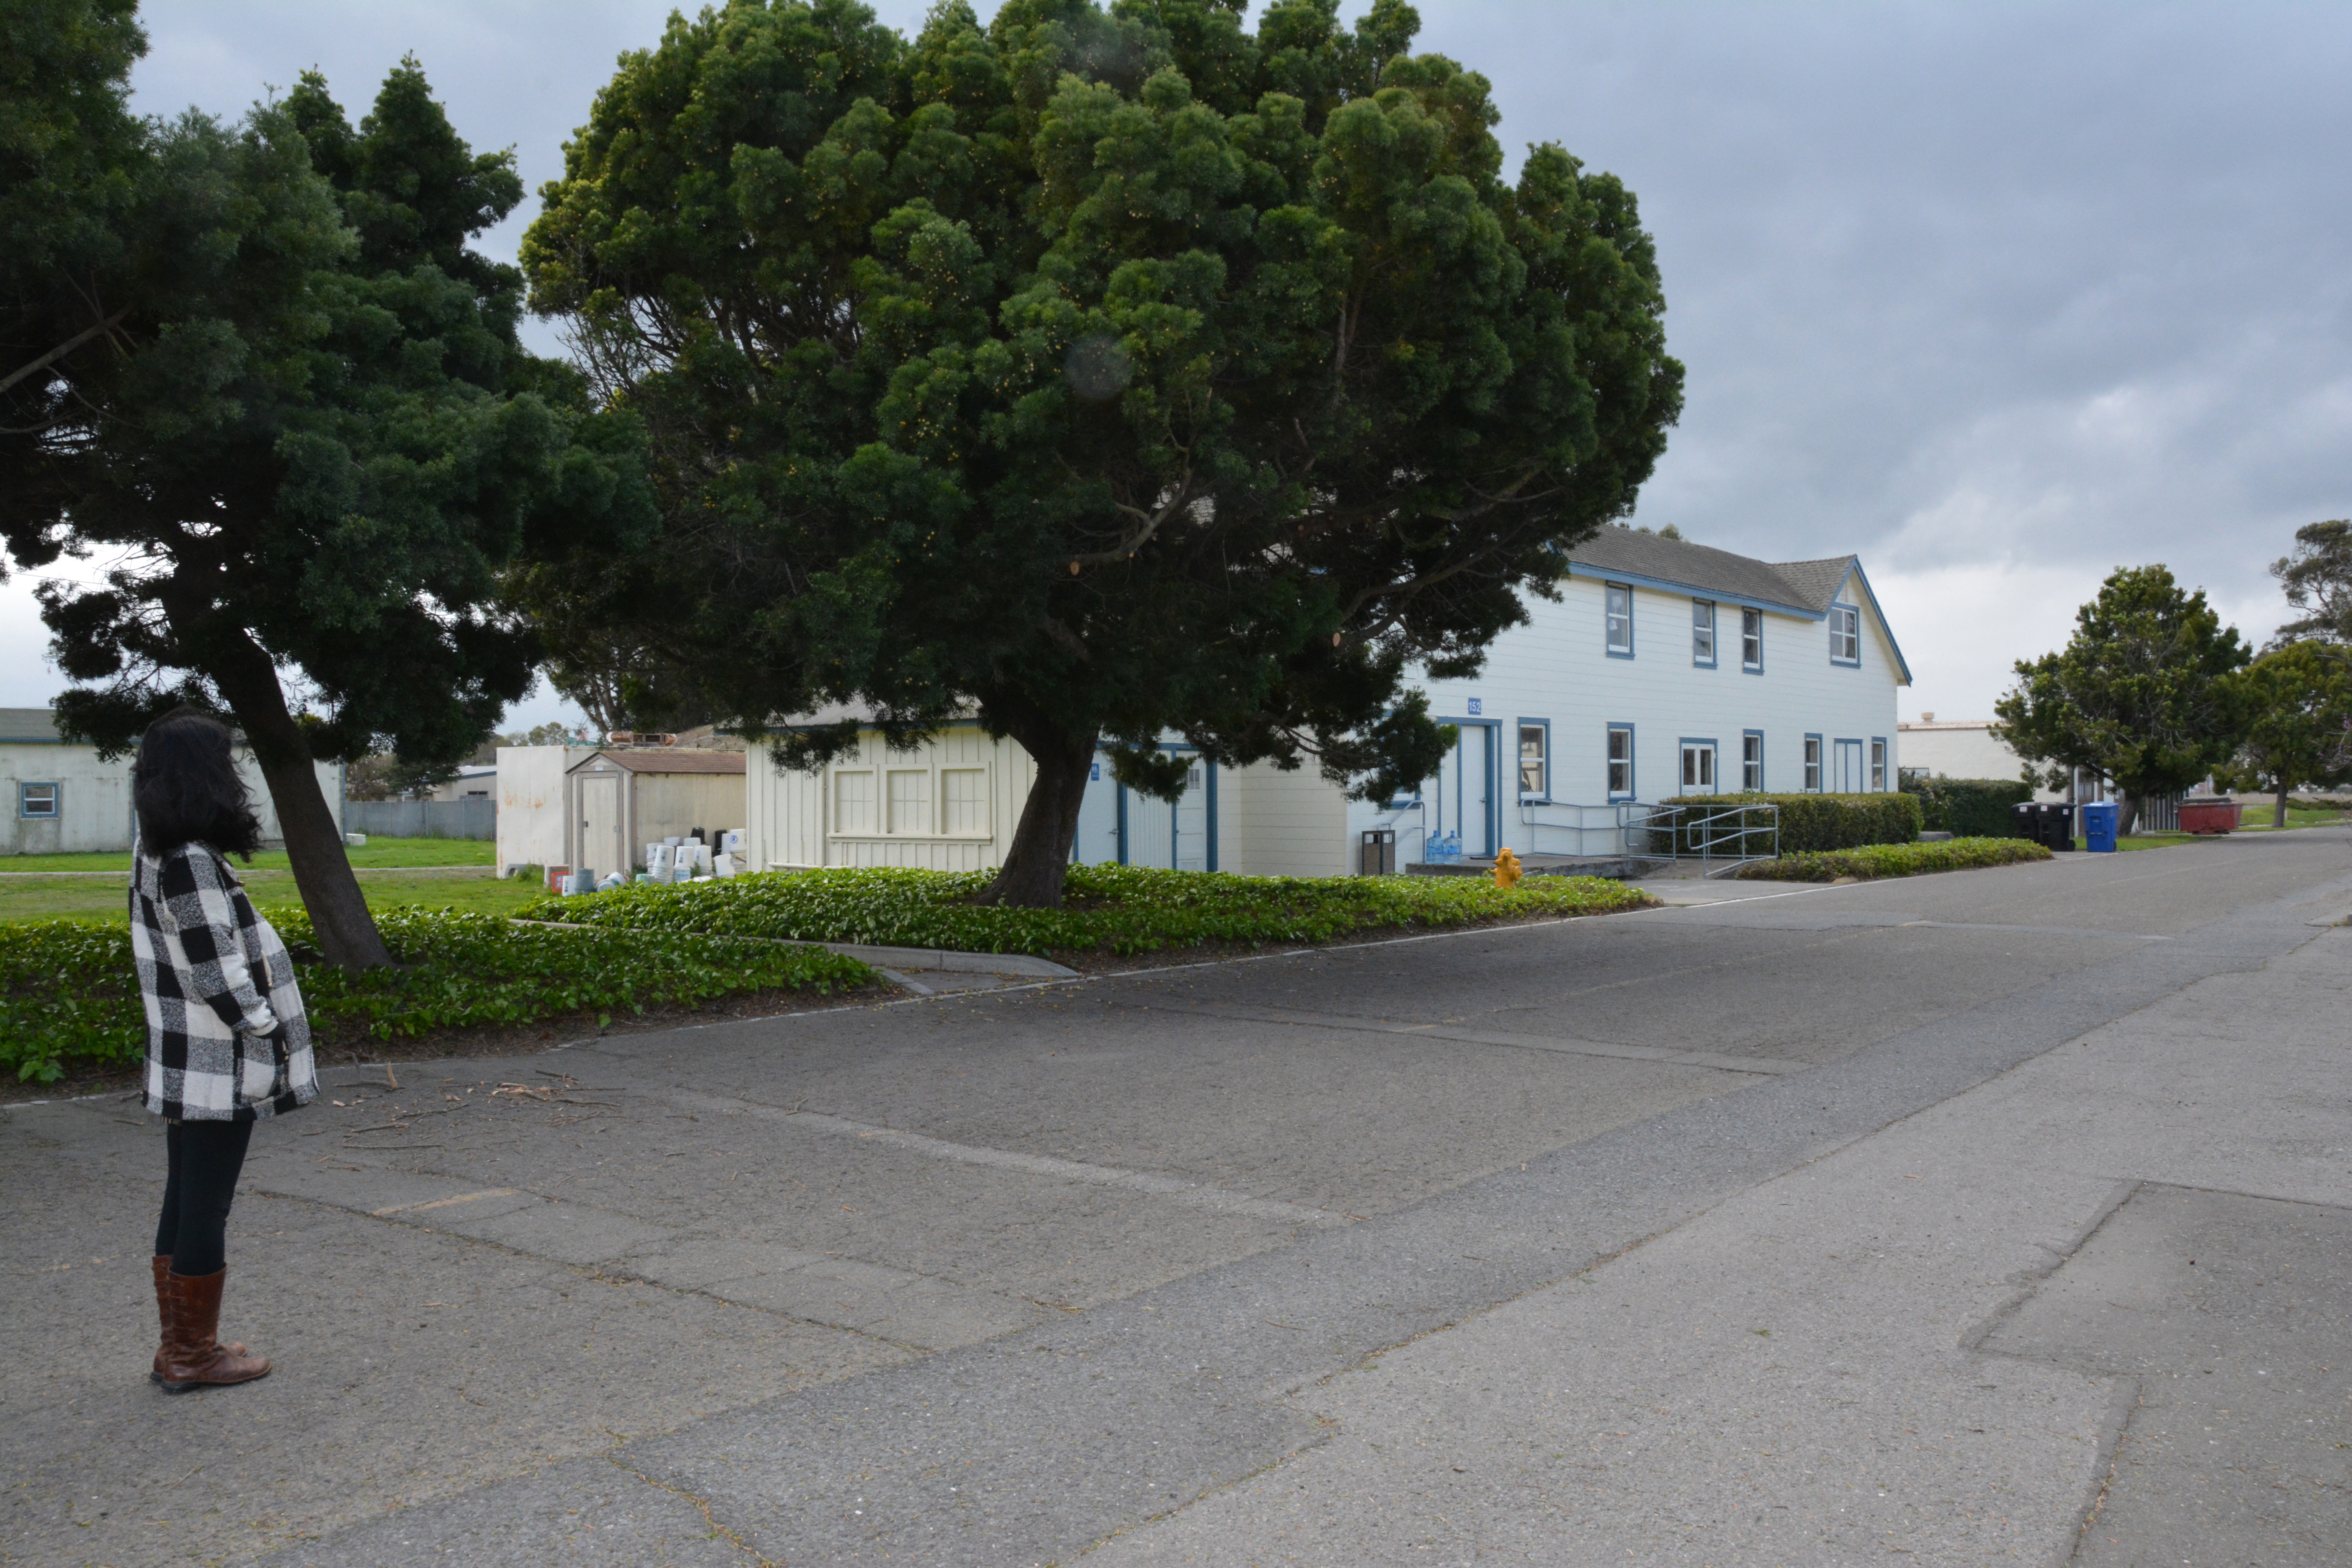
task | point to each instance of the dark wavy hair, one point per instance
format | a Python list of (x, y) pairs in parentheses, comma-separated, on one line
[(186, 789)]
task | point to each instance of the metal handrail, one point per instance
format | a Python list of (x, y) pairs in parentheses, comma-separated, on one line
[(1616, 819), (1708, 833)]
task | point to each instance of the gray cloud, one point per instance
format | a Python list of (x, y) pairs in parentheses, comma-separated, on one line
[(2000, 295)]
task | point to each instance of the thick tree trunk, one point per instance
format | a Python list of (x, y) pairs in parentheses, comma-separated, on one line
[(314, 840), (2278, 811), (1039, 859), (2126, 812)]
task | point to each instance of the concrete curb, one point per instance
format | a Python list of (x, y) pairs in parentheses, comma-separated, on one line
[(936, 958)]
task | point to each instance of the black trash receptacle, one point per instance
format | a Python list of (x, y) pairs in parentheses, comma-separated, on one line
[(2058, 825), (2025, 821)]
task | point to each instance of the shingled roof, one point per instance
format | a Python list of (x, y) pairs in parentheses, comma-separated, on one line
[(1806, 586)]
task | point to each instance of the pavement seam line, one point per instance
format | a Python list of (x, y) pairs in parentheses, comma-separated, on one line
[(608, 1270), (708, 1518), (1046, 1165), (1500, 1039)]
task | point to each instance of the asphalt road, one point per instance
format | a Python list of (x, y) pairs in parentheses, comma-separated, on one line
[(989, 1279)]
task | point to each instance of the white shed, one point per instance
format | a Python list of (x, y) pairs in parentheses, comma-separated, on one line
[(619, 799), (62, 798)]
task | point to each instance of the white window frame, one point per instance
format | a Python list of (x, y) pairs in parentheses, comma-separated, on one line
[(1878, 756), (1815, 756), (1612, 762), (1708, 758), (1846, 634), (1751, 641), (1616, 617), (935, 805), (1703, 633), (25, 813), (1541, 730), (1751, 761)]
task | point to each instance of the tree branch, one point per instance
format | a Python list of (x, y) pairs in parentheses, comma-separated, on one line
[(65, 348)]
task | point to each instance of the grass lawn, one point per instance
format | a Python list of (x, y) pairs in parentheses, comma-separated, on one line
[(374, 853), (1106, 910), (103, 899), (2252, 817)]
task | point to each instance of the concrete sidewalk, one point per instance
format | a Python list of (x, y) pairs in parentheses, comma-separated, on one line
[(2094, 1310)]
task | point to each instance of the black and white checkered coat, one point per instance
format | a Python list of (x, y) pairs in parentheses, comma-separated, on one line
[(217, 979)]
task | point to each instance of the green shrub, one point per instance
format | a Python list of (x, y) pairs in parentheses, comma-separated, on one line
[(1808, 822), (1106, 909), (1871, 861), (68, 992), (1969, 808)]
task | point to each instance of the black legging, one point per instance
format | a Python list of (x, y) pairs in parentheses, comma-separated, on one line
[(206, 1157)]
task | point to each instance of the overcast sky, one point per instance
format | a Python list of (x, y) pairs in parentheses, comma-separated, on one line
[(1998, 296)]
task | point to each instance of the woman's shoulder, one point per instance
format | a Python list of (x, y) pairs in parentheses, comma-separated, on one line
[(186, 867)]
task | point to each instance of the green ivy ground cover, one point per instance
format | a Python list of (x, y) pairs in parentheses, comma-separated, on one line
[(1121, 910), (1894, 860), (70, 996)]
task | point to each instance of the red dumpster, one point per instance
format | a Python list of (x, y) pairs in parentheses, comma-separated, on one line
[(2214, 816)]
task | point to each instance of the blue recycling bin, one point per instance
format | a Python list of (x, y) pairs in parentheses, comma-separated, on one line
[(2098, 826)]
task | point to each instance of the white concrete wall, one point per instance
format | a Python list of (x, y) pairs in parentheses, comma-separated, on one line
[(534, 815), (1956, 751), (94, 798)]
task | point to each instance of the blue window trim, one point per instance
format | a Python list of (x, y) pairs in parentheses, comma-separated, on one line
[(1714, 634), (1856, 611), (1876, 772), (1763, 780), (57, 800), (1543, 795), (1820, 766), (1632, 790), (1711, 744), (1746, 668), (1627, 651)]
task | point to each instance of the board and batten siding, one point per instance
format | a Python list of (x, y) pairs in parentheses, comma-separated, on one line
[(950, 805)]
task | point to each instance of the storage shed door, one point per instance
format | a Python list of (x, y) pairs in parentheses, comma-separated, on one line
[(599, 825)]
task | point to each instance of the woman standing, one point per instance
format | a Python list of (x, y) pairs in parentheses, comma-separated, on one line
[(228, 1041)]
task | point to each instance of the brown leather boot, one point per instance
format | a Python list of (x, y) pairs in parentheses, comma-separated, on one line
[(163, 1316), (193, 1356)]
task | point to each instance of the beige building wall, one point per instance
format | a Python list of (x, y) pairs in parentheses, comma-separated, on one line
[(94, 798), (950, 805), (1277, 824)]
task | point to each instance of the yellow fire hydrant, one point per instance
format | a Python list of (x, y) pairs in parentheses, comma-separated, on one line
[(1506, 868)]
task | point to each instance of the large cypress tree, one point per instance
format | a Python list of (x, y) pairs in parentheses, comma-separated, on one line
[(1112, 372), (306, 444)]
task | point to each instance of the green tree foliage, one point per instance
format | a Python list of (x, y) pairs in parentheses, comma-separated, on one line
[(2318, 578), (67, 149), (308, 445), (1111, 373), (2297, 701), (2142, 694)]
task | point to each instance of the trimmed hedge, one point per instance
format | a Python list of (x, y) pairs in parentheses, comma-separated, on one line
[(1119, 910), (1969, 808), (1808, 823), (1872, 860)]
